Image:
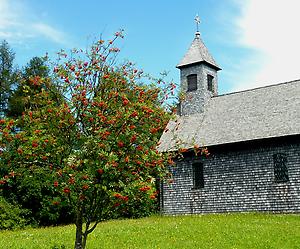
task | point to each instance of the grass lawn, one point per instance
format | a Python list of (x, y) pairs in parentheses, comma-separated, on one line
[(218, 231)]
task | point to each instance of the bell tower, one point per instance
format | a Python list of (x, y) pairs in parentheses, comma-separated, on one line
[(198, 76)]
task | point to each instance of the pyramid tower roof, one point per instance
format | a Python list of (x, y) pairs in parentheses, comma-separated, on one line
[(198, 53)]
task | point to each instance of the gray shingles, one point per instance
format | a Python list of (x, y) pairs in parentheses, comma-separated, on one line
[(265, 112), (197, 53)]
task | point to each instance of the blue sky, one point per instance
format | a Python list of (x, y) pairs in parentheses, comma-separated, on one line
[(255, 42)]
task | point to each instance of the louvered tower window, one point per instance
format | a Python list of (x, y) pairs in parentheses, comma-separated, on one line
[(192, 82), (210, 79), (280, 167)]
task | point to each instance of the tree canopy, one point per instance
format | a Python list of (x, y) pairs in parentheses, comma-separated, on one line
[(91, 132)]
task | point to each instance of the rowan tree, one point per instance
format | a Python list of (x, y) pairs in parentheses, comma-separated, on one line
[(96, 137)]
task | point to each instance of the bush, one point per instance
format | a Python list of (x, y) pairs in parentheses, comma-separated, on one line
[(35, 194), (11, 216)]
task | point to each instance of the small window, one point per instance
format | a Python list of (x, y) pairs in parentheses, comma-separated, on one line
[(280, 168), (210, 80), (192, 82), (179, 108), (198, 179)]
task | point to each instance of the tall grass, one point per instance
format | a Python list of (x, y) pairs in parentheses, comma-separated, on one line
[(218, 231)]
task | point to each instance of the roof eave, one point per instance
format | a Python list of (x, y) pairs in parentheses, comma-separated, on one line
[(180, 66)]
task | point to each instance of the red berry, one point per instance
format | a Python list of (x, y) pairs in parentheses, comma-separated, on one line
[(120, 144), (66, 190), (35, 144), (72, 180), (133, 138), (100, 171), (125, 102), (85, 187)]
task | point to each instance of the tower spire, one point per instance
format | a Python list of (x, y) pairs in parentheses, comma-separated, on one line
[(198, 76), (197, 21), (197, 53)]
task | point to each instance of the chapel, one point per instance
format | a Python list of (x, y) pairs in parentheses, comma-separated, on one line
[(253, 138)]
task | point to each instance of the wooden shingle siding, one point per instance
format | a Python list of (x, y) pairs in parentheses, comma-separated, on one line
[(236, 180)]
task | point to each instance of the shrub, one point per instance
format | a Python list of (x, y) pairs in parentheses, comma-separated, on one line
[(35, 193), (11, 216)]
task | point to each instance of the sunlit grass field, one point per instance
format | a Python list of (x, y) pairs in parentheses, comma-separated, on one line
[(218, 231)]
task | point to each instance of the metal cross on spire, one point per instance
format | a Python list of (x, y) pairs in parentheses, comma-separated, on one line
[(197, 20)]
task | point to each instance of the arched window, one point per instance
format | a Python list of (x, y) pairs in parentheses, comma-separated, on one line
[(192, 82)]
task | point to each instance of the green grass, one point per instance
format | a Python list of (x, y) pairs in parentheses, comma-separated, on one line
[(219, 231)]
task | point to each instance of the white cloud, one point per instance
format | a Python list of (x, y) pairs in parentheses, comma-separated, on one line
[(18, 23), (5, 35), (7, 15), (50, 32), (272, 29)]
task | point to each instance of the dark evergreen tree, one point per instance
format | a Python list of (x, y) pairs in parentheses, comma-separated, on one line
[(7, 75), (36, 67)]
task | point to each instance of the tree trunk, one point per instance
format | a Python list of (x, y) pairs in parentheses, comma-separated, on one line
[(79, 234), (84, 240)]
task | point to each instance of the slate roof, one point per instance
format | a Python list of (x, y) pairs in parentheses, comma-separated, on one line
[(265, 112), (197, 53)]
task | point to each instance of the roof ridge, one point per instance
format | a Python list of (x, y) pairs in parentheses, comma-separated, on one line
[(260, 87)]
